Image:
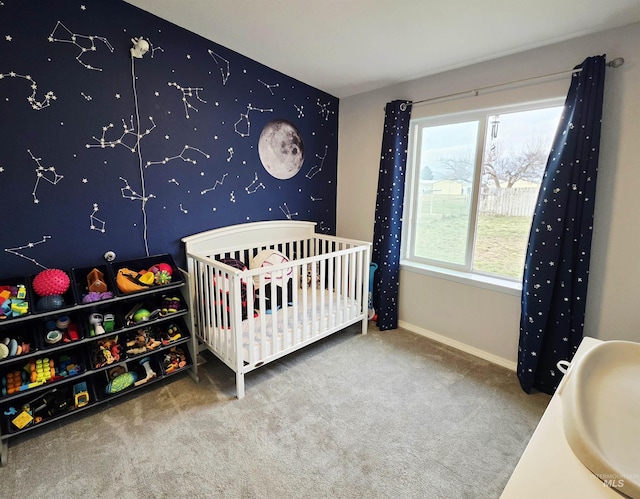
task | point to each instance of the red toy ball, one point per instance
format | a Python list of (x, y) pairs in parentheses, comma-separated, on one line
[(165, 267), (51, 282)]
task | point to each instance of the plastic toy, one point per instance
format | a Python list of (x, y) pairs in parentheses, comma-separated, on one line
[(41, 370), (162, 277), (63, 322), (51, 282), (109, 322), (108, 351), (80, 394), (143, 341), (164, 267), (53, 337), (94, 296), (51, 402), (95, 320), (49, 303), (141, 315), (13, 301), (13, 347), (147, 277), (115, 371), (121, 382), (170, 305), (129, 281), (150, 373), (172, 333), (138, 315), (67, 366), (61, 329), (174, 359), (96, 282), (11, 382)]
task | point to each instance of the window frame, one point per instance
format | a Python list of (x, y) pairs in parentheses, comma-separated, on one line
[(463, 273)]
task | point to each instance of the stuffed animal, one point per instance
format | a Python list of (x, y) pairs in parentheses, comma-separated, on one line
[(278, 280)]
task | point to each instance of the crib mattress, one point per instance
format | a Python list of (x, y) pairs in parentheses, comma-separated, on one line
[(284, 330)]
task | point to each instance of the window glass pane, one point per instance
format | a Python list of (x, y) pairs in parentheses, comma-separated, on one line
[(515, 154), (446, 159)]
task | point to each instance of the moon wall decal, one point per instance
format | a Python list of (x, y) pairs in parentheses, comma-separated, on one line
[(281, 149)]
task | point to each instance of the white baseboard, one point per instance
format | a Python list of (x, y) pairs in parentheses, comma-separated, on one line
[(509, 364)]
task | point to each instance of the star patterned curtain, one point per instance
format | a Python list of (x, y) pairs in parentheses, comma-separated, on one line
[(556, 269), (388, 223)]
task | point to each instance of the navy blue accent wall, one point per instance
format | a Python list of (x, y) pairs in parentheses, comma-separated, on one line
[(103, 151)]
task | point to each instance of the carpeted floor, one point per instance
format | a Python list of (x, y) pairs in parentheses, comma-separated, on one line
[(385, 415)]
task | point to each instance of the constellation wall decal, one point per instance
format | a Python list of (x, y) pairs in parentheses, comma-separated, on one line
[(285, 209), (128, 131), (94, 222), (223, 65), (255, 185), (129, 193), (153, 49), (48, 174), (121, 111), (317, 168), (325, 112), (16, 250), (218, 182), (179, 156), (45, 102), (244, 119), (188, 92), (76, 40), (270, 87)]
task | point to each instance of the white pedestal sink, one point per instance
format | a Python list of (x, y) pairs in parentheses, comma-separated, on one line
[(601, 413)]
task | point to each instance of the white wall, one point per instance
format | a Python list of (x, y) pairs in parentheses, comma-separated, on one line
[(482, 319)]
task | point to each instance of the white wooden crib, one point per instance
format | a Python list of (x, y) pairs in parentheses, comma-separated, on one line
[(321, 287)]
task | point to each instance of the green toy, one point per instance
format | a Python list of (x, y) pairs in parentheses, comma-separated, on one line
[(121, 382)]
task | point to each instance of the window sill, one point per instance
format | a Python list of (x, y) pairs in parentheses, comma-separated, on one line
[(481, 281)]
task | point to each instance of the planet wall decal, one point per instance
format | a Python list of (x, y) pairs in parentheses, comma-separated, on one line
[(281, 149)]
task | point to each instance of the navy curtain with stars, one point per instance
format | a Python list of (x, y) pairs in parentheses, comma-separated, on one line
[(557, 262), (388, 224)]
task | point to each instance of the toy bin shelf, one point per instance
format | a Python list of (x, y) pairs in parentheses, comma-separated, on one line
[(147, 330)]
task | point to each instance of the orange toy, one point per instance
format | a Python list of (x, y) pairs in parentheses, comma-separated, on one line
[(14, 381)]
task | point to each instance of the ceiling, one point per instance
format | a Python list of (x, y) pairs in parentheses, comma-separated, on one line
[(346, 47)]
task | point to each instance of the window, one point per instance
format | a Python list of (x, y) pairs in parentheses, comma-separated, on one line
[(472, 185)]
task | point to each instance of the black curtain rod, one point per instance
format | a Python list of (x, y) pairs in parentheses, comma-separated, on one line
[(615, 63)]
